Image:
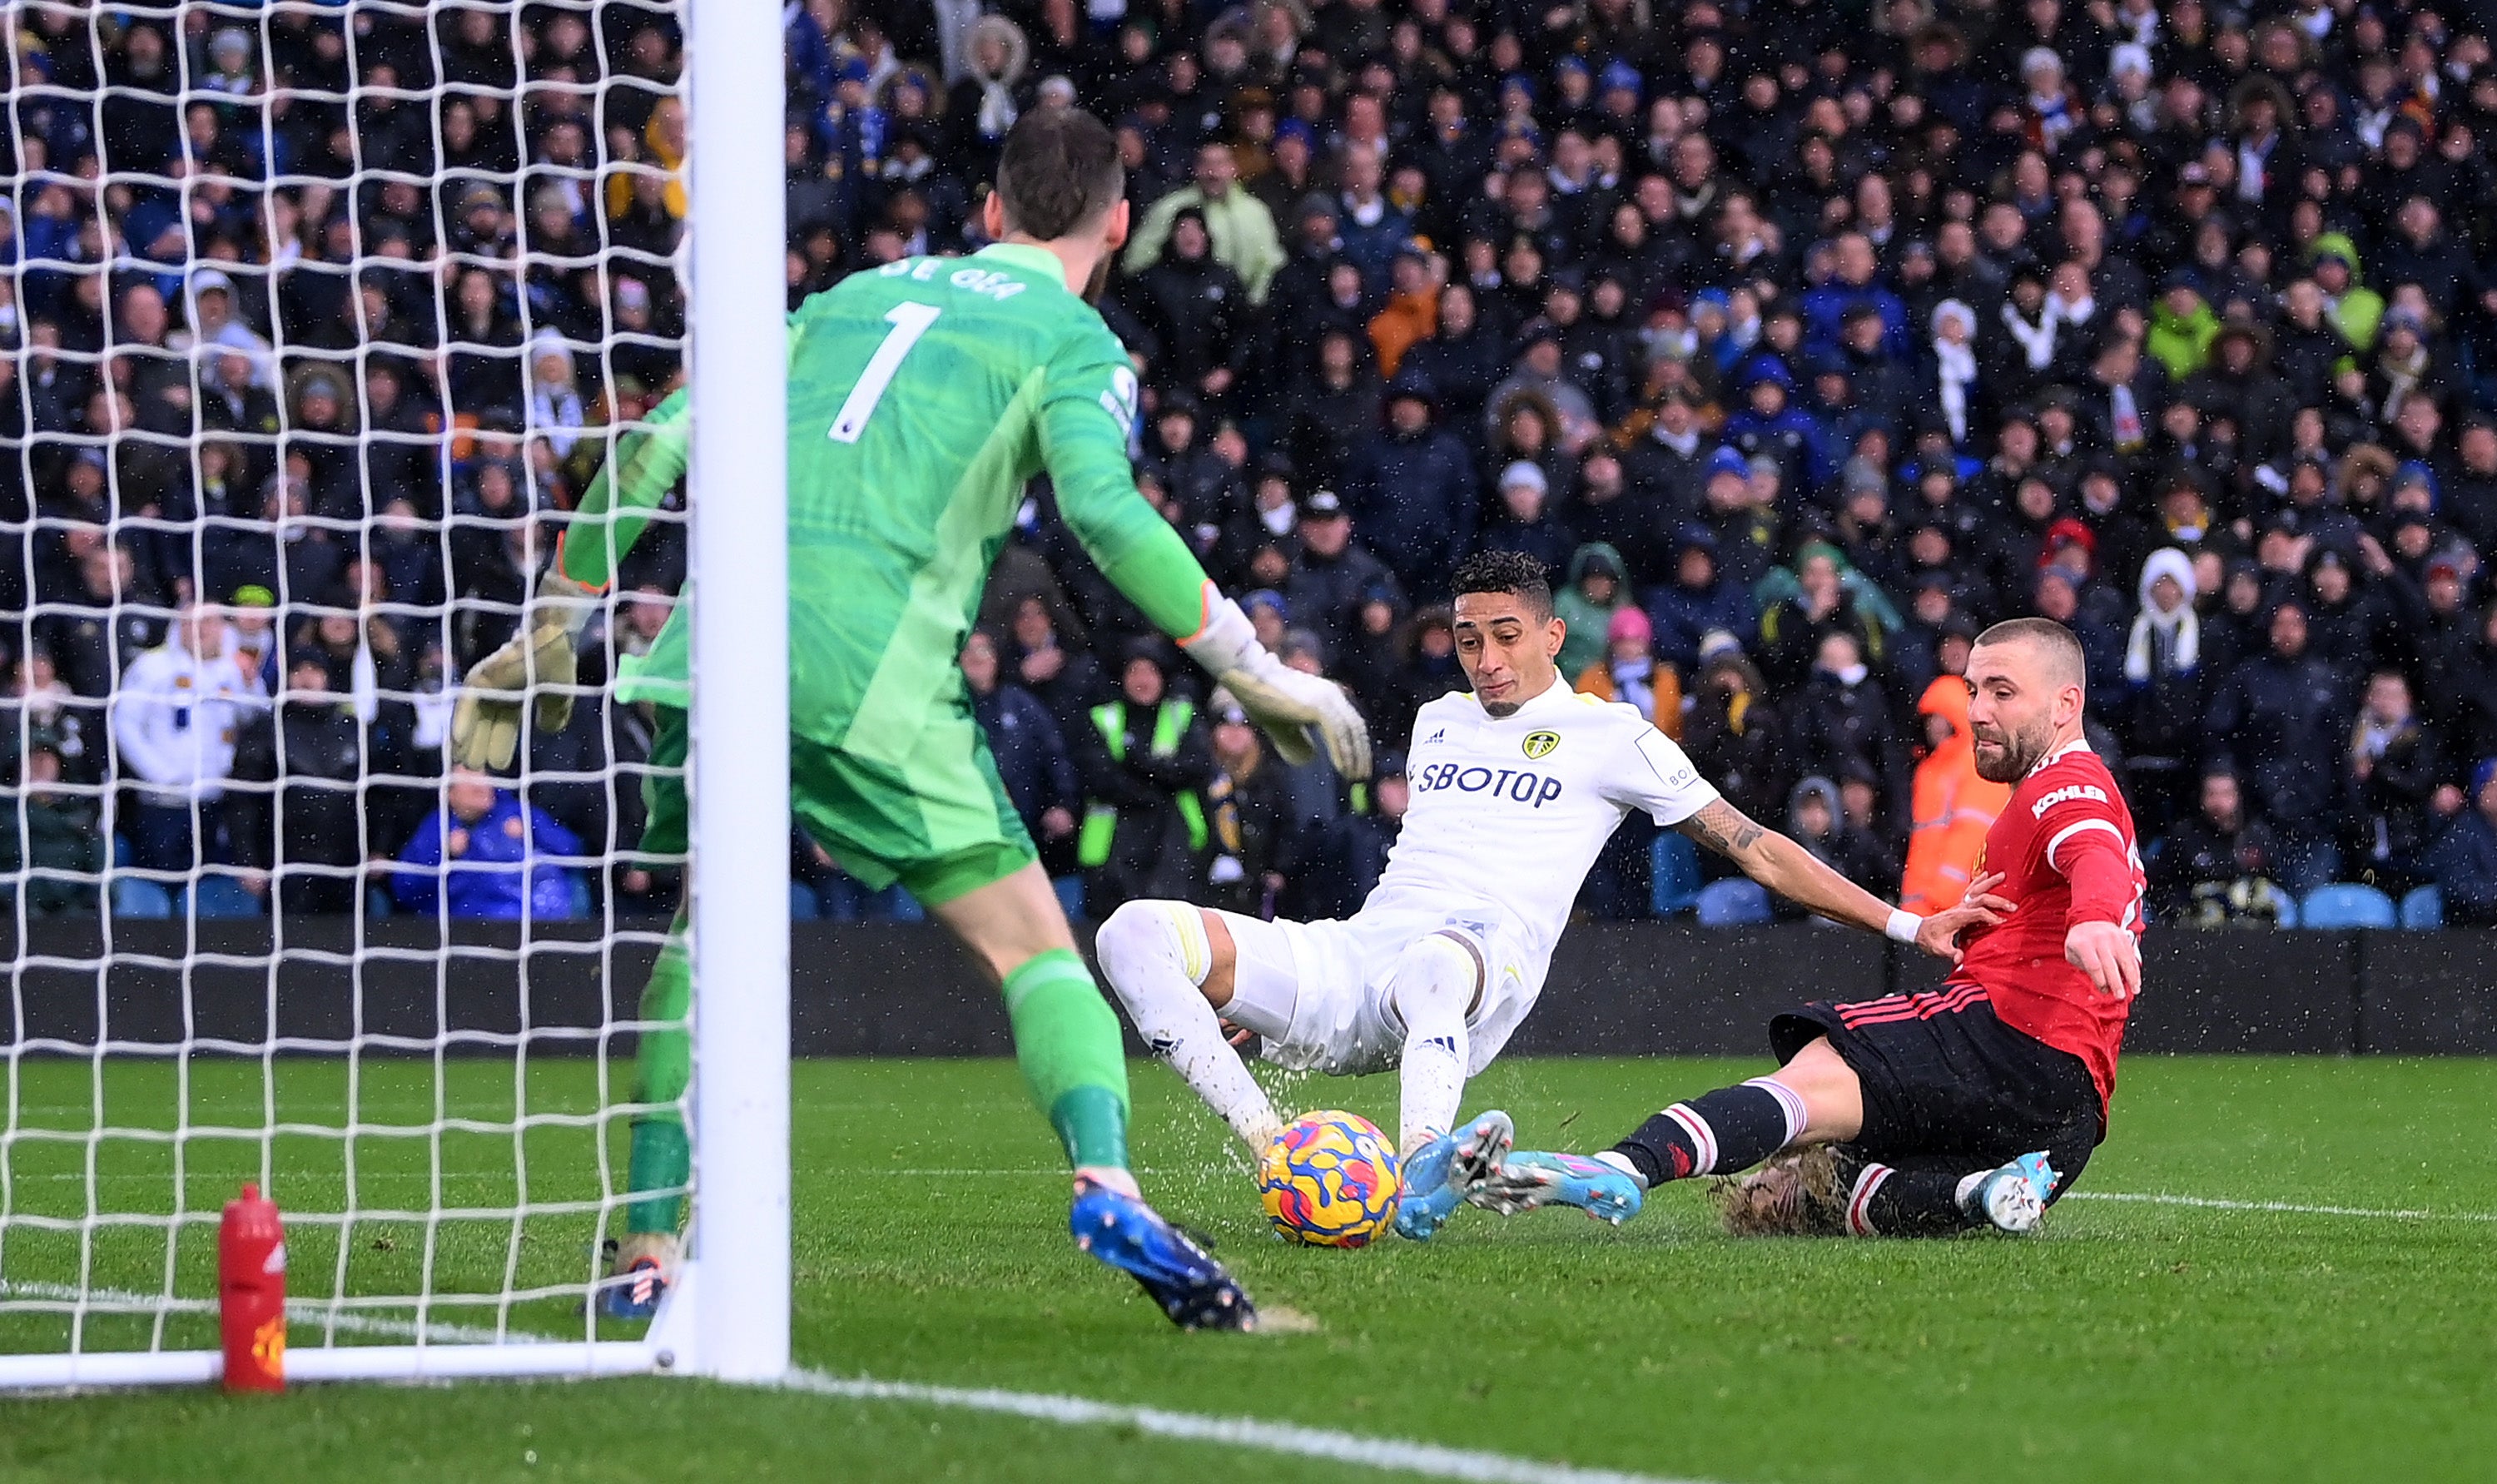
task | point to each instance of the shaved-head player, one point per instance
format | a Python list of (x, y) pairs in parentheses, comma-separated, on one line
[(1965, 1106)]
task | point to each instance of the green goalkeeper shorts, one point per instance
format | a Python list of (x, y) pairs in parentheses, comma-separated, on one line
[(941, 824)]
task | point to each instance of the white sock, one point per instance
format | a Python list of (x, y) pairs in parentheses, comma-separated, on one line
[(1434, 983), (1621, 1162), (1155, 956)]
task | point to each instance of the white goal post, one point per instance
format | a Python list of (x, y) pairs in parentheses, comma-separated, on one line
[(438, 1106)]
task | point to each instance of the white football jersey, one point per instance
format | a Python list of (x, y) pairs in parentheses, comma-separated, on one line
[(1507, 814)]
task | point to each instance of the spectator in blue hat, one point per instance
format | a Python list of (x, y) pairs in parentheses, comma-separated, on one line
[(1770, 423), (1697, 600)]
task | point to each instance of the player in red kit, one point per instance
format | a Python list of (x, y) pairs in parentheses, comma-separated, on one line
[(1971, 1105)]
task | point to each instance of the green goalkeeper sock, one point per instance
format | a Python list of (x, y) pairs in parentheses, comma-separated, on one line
[(1066, 1040), (661, 1158)]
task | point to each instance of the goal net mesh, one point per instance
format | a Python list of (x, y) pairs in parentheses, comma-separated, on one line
[(318, 321)]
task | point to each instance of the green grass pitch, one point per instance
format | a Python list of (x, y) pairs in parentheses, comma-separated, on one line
[(2129, 1341)]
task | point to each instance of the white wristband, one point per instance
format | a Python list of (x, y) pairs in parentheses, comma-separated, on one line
[(1902, 926)]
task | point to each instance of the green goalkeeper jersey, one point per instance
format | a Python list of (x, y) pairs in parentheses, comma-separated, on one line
[(923, 396)]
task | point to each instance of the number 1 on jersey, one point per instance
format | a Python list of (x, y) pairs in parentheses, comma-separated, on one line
[(909, 321)]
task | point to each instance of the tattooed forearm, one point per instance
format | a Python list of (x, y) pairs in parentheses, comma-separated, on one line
[(1723, 828)]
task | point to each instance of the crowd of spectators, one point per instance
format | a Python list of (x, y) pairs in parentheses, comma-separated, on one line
[(1801, 340)]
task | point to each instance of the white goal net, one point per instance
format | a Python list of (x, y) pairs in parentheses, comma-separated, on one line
[(317, 322)]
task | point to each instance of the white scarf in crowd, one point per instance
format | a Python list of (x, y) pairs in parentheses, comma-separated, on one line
[(2038, 341), (1955, 367), (2164, 644)]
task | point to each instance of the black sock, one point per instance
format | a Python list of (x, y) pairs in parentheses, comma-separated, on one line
[(1718, 1133), (1886, 1202)]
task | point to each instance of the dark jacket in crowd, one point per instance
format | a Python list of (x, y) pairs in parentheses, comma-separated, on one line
[(2284, 722)]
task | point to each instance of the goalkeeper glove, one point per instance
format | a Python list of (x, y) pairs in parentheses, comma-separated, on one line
[(486, 724), (1285, 702)]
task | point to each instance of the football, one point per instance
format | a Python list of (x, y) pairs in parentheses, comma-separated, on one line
[(1329, 1179)]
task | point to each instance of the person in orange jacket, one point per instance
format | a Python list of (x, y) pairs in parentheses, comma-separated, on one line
[(1953, 806)]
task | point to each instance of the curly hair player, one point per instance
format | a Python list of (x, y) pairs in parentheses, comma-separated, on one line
[(1963, 1106), (1515, 789)]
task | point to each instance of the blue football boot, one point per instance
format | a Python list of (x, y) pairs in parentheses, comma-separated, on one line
[(1529, 1178), (2013, 1198), (1428, 1194), (1172, 1268)]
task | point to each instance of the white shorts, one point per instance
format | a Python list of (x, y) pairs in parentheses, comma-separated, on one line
[(1320, 995)]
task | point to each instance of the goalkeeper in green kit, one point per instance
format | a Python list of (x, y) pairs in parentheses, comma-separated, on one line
[(922, 398)]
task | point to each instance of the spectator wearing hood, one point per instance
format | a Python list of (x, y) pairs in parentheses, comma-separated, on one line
[(1411, 488), (1792, 628), (1957, 383), (1525, 525), (2404, 367), (1816, 820), (61, 846), (1197, 310), (1413, 312), (1598, 586), (2057, 594), (1771, 423), (2352, 309), (1734, 735), (1853, 283), (554, 401), (2181, 326), (2349, 622), (1700, 598), (1667, 461), (1371, 665), (1609, 508), (2160, 716), (1950, 808), (1429, 647), (1628, 672), (988, 97)]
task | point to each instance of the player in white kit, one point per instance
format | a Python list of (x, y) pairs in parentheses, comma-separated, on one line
[(1515, 789)]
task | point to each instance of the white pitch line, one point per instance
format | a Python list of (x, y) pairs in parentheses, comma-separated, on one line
[(1392, 1454), (2291, 1207)]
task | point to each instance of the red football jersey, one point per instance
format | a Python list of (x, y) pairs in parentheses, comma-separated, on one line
[(2064, 843)]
